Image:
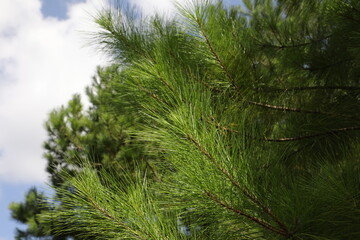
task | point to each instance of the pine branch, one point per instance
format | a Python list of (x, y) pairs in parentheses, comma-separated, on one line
[(227, 129), (117, 35), (202, 82), (245, 191), (156, 176), (217, 125), (274, 32), (286, 46), (152, 95), (347, 88), (295, 45), (106, 214), (113, 35), (163, 81), (313, 69), (348, 17), (259, 221), (244, 50), (213, 161), (299, 110), (333, 131), (214, 53)]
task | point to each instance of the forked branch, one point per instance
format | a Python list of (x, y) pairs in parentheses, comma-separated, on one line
[(254, 219), (245, 191)]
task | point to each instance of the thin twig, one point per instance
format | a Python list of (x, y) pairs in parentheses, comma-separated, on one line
[(298, 110), (213, 161), (214, 53), (296, 45), (252, 218), (153, 95), (333, 131), (347, 88), (217, 125), (313, 69), (114, 219)]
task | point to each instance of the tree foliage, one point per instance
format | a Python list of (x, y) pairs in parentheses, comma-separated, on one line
[(27, 213), (254, 113), (102, 130)]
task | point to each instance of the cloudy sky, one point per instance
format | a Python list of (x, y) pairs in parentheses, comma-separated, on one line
[(44, 60)]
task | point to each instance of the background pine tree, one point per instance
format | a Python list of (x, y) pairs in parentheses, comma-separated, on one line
[(102, 130), (27, 212)]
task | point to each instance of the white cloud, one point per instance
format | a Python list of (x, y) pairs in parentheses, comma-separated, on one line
[(150, 7), (166, 7), (43, 62)]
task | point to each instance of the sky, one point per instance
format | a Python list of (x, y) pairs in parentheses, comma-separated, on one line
[(44, 60)]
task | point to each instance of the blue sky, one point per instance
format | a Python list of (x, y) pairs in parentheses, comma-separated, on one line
[(43, 61), (57, 8)]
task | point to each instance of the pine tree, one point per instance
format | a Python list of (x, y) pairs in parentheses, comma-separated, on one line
[(103, 130), (26, 213), (255, 111)]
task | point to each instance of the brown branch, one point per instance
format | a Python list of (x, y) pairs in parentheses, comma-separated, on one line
[(285, 109), (163, 81), (259, 221), (217, 125), (148, 92), (213, 161), (313, 69), (296, 45), (214, 53), (245, 191), (333, 131), (348, 88), (298, 110), (286, 46)]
